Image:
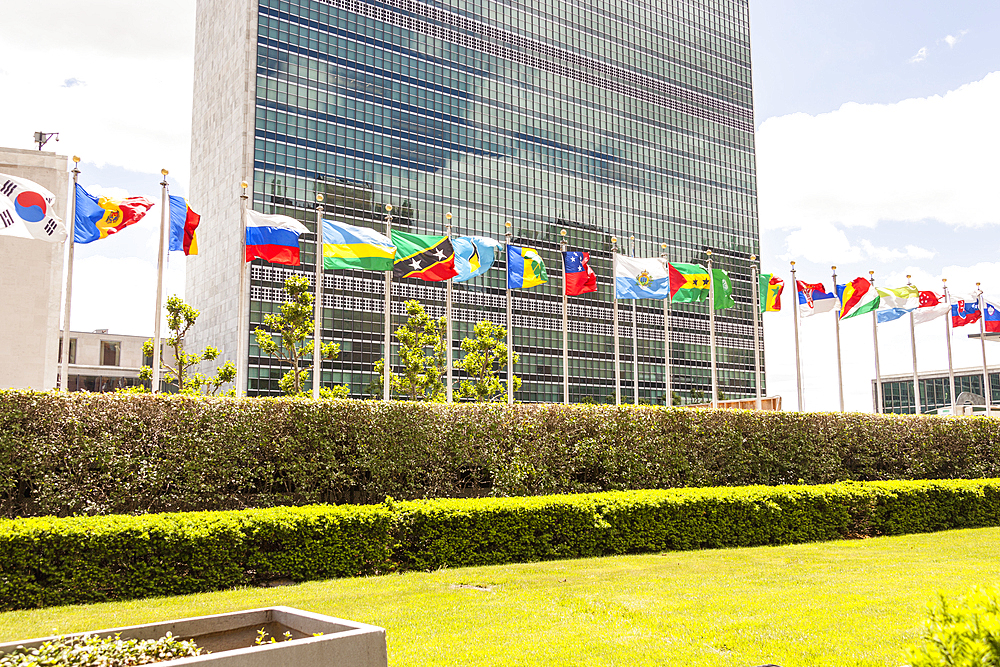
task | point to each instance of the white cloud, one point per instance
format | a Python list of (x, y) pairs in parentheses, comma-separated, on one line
[(886, 255), (952, 40), (920, 159), (919, 57)]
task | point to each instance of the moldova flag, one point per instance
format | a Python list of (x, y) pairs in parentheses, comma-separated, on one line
[(426, 257), (579, 278), (965, 312), (99, 217), (183, 223), (273, 237)]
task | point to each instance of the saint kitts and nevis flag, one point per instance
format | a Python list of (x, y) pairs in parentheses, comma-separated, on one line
[(26, 209), (426, 257)]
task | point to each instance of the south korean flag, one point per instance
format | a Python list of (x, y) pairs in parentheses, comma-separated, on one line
[(27, 210)]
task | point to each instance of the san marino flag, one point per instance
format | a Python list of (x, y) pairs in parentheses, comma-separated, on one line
[(641, 278)]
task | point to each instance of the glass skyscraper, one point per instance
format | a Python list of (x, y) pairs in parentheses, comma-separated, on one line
[(604, 118)]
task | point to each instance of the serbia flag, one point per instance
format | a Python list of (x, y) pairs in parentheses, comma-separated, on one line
[(579, 277)]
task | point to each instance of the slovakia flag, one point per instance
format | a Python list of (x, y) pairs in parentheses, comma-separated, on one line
[(580, 278), (991, 320), (273, 237), (965, 312)]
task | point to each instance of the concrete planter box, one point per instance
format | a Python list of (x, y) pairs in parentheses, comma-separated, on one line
[(230, 638)]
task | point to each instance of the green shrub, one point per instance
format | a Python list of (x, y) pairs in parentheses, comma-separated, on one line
[(965, 633), (94, 651), (128, 454), (48, 561)]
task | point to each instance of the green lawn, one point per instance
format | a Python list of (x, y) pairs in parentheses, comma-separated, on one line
[(836, 603)]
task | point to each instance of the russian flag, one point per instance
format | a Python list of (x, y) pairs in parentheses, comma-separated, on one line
[(991, 320), (273, 237), (965, 312)]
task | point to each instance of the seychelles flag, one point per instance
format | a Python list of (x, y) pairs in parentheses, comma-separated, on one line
[(183, 223), (273, 237), (579, 277), (965, 312), (860, 297)]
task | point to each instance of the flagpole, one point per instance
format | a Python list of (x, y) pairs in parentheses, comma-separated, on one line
[(449, 394), (635, 343), (755, 298), (982, 340), (563, 247), (666, 333), (242, 327), (510, 320), (947, 336), (878, 372), (913, 347), (795, 321), (836, 320), (387, 367), (164, 213), (614, 296), (711, 330), (318, 305), (64, 371)]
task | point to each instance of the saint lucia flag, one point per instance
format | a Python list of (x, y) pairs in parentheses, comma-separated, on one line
[(525, 268), (474, 256)]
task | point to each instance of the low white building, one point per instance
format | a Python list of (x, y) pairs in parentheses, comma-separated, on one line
[(101, 361)]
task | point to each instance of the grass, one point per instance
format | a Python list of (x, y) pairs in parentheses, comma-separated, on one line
[(836, 603)]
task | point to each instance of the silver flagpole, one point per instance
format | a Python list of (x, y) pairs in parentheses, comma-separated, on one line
[(795, 321), (318, 306), (635, 343), (64, 370), (449, 394), (387, 340), (982, 340), (164, 217), (878, 371), (711, 330), (510, 319), (836, 320), (947, 336), (243, 325), (563, 247), (913, 347), (755, 300), (666, 332), (614, 296)]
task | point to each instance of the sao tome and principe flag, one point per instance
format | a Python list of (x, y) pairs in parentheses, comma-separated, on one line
[(814, 299), (99, 217), (274, 238), (349, 247), (770, 287), (641, 278), (525, 268), (578, 278), (425, 257), (689, 283), (722, 290), (25, 206), (860, 297), (893, 303), (474, 256), (183, 223)]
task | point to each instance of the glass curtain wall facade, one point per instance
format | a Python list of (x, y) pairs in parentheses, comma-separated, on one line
[(935, 392), (604, 118)]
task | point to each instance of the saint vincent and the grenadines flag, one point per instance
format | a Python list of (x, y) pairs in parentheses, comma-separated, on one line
[(426, 257), (99, 217), (525, 268)]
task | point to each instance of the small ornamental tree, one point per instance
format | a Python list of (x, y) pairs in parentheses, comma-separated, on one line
[(422, 353), (485, 354), (180, 318), (294, 326)]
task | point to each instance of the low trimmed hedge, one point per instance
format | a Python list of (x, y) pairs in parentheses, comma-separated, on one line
[(128, 454), (47, 561)]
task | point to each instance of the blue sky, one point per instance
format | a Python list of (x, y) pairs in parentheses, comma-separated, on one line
[(876, 145)]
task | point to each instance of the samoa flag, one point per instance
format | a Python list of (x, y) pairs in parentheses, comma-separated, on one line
[(965, 312), (579, 277)]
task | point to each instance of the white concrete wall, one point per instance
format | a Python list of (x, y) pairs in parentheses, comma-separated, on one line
[(221, 156), (31, 275)]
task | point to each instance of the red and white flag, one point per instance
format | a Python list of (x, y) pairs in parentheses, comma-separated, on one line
[(932, 306)]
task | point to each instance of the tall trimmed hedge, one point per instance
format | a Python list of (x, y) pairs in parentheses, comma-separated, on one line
[(47, 561), (129, 454)]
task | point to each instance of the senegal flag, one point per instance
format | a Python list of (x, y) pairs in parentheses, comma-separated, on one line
[(688, 283), (349, 247), (424, 257), (770, 292)]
